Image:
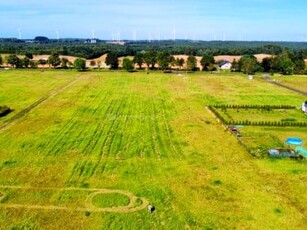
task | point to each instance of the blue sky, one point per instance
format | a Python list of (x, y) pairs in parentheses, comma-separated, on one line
[(279, 20)]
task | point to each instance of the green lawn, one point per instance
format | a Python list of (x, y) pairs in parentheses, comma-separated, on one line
[(149, 135)]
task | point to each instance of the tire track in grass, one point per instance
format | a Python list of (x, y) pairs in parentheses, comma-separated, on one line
[(105, 143), (93, 139), (127, 127), (159, 133), (66, 130), (95, 165), (114, 128), (77, 132), (169, 139), (28, 109), (153, 122), (174, 148), (106, 112), (132, 206), (83, 136)]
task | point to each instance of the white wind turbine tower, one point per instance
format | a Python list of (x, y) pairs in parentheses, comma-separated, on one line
[(19, 34), (224, 37), (57, 34), (118, 36), (134, 35), (93, 34), (174, 34)]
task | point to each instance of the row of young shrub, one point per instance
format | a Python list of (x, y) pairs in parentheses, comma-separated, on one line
[(4, 110), (217, 114), (254, 106), (256, 123), (266, 123)]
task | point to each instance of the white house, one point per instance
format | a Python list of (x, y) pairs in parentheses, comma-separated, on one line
[(225, 65)]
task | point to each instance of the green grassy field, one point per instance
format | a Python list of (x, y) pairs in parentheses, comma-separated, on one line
[(297, 82), (258, 115), (148, 138)]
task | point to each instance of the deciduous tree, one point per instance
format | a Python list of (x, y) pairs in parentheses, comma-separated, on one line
[(248, 64), (54, 59), (163, 60), (64, 63), (112, 60), (150, 58), (79, 64), (206, 60), (128, 64), (42, 62), (139, 60), (29, 55), (283, 63), (179, 62), (26, 62), (191, 63), (13, 60)]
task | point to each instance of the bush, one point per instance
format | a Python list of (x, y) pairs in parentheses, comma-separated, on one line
[(4, 110)]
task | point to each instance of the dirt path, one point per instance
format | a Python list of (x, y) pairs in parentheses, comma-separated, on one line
[(89, 206), (28, 109), (268, 79)]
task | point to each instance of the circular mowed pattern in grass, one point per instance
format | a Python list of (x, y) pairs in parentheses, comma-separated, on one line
[(2, 196), (103, 200)]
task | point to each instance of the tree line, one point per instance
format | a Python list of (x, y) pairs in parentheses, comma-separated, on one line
[(197, 48), (285, 62), (53, 60)]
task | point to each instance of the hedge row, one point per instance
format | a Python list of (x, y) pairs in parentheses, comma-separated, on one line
[(4, 110), (256, 123), (254, 106), (266, 123)]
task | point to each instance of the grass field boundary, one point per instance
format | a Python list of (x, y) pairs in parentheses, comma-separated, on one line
[(29, 108)]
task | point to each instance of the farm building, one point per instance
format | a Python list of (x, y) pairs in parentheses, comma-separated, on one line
[(225, 65)]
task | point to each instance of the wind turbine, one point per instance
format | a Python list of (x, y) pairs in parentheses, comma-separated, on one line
[(118, 36), (134, 35), (149, 37), (19, 34), (174, 34), (57, 34)]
